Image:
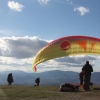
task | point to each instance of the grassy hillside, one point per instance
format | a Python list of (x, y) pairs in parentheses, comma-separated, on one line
[(44, 93)]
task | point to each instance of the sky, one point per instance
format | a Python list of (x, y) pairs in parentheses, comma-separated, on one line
[(26, 26)]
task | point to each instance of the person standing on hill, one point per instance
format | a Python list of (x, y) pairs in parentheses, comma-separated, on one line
[(81, 77), (87, 69), (10, 79), (37, 81)]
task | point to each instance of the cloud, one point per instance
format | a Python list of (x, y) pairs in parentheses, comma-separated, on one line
[(82, 10), (74, 61), (43, 1), (69, 1), (19, 52), (4, 31), (20, 47), (21, 68), (8, 32), (68, 63), (15, 6)]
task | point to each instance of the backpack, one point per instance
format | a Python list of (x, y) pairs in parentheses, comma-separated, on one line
[(68, 87)]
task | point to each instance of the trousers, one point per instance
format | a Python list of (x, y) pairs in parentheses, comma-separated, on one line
[(86, 82)]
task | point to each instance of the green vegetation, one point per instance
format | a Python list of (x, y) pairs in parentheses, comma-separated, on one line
[(44, 93)]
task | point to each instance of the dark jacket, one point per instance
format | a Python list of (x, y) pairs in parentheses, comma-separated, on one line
[(37, 80), (10, 78), (87, 68)]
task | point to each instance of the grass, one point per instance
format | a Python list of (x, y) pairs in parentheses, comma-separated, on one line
[(44, 93)]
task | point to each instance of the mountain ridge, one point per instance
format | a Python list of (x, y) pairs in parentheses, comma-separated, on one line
[(55, 77)]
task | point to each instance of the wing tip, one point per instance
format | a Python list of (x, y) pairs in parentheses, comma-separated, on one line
[(35, 69)]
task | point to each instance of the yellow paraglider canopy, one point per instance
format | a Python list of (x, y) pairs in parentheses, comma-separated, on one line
[(66, 46)]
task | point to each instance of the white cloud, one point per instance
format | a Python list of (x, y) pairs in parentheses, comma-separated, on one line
[(69, 1), (8, 32), (20, 47), (43, 1), (15, 6), (68, 63), (18, 53), (82, 10), (9, 68)]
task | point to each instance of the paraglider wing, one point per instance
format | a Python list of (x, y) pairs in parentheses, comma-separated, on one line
[(66, 46)]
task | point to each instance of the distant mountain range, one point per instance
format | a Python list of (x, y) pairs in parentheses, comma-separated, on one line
[(48, 78)]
